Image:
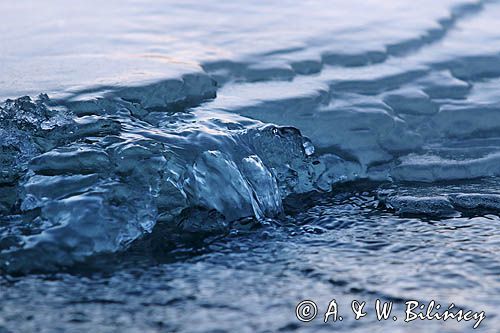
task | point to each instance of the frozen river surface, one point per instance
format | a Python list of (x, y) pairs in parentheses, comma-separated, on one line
[(203, 167)]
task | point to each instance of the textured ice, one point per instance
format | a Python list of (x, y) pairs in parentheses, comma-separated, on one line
[(434, 206), (486, 201), (28, 128), (108, 177), (442, 200)]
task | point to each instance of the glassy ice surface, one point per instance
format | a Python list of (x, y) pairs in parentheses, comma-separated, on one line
[(203, 167)]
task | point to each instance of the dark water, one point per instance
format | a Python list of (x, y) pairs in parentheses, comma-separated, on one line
[(343, 245)]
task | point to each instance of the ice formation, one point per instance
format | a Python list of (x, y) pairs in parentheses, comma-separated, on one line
[(201, 139)]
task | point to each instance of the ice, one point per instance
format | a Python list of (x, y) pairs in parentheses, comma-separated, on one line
[(77, 159), (469, 201), (152, 124), (431, 206), (189, 90), (471, 198), (126, 44), (114, 176), (411, 101), (28, 129), (428, 168)]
